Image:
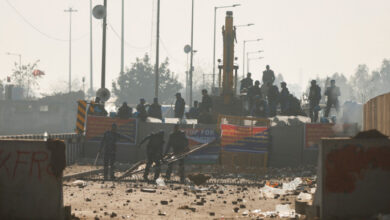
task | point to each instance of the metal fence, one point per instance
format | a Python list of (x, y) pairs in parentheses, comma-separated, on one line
[(377, 114), (74, 143)]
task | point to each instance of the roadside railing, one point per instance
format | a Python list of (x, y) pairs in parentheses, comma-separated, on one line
[(74, 143)]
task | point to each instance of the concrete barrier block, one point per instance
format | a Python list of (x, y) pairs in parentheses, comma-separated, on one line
[(31, 179), (354, 178)]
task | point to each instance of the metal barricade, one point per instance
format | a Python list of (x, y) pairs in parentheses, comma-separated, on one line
[(74, 143)]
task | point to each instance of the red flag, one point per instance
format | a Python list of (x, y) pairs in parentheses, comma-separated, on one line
[(38, 72)]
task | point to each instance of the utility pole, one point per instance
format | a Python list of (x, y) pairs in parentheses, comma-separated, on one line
[(123, 37), (103, 83), (70, 10), (156, 70), (192, 51), (90, 48)]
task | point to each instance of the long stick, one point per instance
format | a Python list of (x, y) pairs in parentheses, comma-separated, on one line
[(97, 157)]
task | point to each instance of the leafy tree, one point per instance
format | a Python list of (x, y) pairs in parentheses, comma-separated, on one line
[(1, 89), (138, 82), (23, 77)]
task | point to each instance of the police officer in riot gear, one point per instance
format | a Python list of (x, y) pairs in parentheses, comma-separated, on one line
[(109, 145), (154, 150), (179, 144)]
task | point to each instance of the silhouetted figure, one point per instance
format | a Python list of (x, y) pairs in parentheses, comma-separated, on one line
[(246, 83), (194, 111), (314, 101), (268, 76), (333, 93), (207, 103), (141, 109), (253, 92), (295, 107), (179, 144), (154, 150), (98, 108), (108, 144), (154, 110), (179, 106), (205, 118), (273, 99), (260, 107), (125, 112), (284, 98)]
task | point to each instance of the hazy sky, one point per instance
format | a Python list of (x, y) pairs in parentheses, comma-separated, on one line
[(302, 38)]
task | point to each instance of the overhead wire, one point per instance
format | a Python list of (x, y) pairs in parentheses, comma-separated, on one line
[(38, 30), (127, 43)]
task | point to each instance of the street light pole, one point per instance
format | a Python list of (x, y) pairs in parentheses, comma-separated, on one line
[(192, 51), (243, 54), (90, 48), (122, 37), (157, 50), (215, 23), (247, 58), (103, 82), (70, 10)]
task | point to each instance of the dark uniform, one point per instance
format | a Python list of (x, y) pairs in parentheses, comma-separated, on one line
[(284, 99), (154, 151), (260, 108), (314, 101), (253, 92), (179, 143), (268, 76), (109, 145), (246, 83), (125, 111), (142, 111), (206, 104), (179, 106), (273, 99), (155, 111), (332, 92)]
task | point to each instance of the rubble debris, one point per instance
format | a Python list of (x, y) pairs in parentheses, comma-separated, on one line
[(199, 178), (148, 190), (80, 183), (164, 202), (113, 215), (187, 207), (284, 211), (236, 209)]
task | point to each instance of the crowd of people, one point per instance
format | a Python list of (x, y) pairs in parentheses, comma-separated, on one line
[(261, 100), (264, 100), (200, 111)]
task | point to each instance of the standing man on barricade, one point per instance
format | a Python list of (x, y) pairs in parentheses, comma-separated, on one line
[(273, 99), (154, 151), (179, 106), (179, 144), (333, 93), (109, 145), (314, 101), (154, 110), (284, 99)]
